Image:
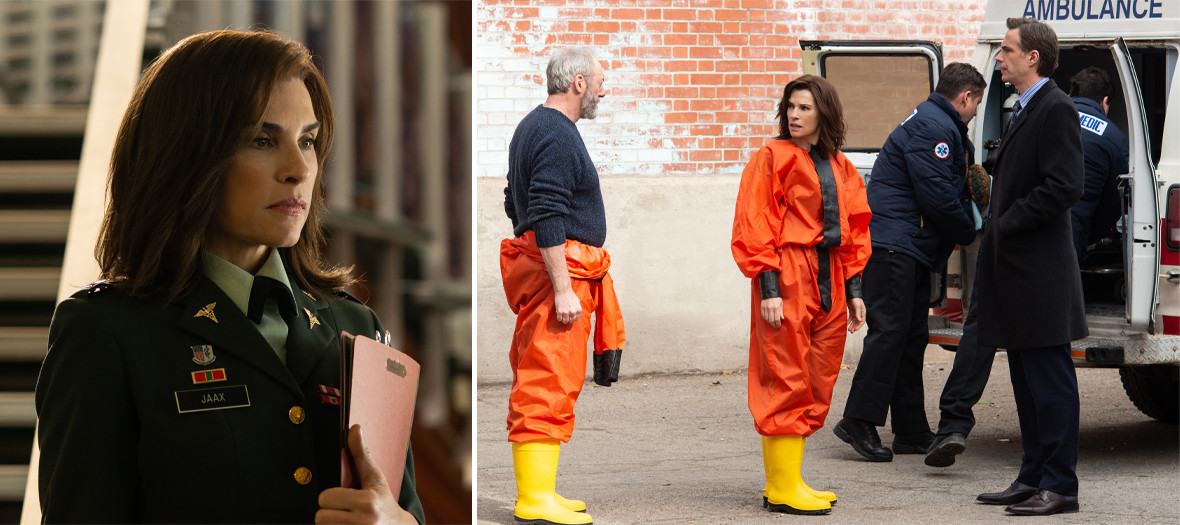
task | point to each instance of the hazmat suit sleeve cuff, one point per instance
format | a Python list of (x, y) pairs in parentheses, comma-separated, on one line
[(853, 288), (768, 283)]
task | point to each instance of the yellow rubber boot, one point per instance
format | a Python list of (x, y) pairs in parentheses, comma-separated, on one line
[(575, 505), (782, 458), (535, 464), (830, 497), (765, 471)]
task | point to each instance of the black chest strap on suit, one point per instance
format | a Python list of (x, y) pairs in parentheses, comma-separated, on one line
[(265, 288), (831, 227)]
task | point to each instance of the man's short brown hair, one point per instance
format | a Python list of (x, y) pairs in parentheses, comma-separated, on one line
[(1036, 35), (958, 77)]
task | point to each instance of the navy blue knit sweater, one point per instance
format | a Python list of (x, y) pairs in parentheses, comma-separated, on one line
[(552, 184)]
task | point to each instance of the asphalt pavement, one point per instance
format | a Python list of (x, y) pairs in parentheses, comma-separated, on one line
[(682, 449)]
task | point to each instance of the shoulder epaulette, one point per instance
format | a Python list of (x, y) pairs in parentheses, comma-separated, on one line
[(345, 295), (98, 286)]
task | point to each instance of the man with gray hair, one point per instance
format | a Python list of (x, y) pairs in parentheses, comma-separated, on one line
[(555, 274)]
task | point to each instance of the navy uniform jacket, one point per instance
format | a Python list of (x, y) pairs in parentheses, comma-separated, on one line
[(1030, 288), (128, 432), (1105, 150), (917, 191)]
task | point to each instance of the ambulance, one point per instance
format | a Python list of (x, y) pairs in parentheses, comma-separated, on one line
[(1131, 277)]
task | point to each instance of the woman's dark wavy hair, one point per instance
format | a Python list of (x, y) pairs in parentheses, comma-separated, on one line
[(827, 106), (198, 104)]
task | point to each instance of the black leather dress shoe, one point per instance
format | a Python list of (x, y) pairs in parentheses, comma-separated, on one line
[(944, 449), (863, 437), (1044, 503), (1015, 493), (916, 443)]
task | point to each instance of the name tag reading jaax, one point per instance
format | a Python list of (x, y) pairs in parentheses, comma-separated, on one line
[(219, 398)]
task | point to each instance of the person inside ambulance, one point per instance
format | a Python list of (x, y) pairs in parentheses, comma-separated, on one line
[(1104, 147)]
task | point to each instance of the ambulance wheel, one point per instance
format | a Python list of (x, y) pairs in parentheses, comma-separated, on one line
[(1154, 390)]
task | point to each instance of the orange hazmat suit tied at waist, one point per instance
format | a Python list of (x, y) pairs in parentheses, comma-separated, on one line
[(548, 358)]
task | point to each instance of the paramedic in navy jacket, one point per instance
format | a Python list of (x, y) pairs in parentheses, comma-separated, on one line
[(921, 209), (1105, 151)]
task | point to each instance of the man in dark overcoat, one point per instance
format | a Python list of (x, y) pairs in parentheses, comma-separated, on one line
[(1030, 291)]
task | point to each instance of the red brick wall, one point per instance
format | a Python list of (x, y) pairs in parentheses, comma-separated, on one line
[(692, 89)]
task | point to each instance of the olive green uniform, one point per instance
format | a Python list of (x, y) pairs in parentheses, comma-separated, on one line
[(182, 412)]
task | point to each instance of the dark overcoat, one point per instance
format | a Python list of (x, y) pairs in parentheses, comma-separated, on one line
[(129, 434), (1030, 289)]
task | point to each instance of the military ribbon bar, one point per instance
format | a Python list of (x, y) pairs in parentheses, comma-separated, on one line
[(209, 376), (329, 395)]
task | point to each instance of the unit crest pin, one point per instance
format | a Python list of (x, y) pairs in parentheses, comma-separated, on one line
[(203, 354)]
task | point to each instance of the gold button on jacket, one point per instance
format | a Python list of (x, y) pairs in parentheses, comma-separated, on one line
[(302, 475), (296, 414), (115, 366)]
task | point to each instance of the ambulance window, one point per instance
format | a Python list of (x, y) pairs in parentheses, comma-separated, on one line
[(877, 92)]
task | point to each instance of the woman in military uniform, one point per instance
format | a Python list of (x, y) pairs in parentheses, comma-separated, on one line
[(199, 382)]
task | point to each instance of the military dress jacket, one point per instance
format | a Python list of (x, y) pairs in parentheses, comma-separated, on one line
[(181, 412), (1030, 288)]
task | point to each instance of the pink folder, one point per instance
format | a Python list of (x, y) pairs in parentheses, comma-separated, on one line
[(380, 386)]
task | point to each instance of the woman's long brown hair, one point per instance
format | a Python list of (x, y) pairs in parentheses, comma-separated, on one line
[(198, 104), (827, 105)]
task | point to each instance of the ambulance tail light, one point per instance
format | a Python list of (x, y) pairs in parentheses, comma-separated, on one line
[(1172, 220)]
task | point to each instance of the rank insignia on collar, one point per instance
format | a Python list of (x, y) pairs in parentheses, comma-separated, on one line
[(311, 319), (308, 294), (203, 354), (207, 311)]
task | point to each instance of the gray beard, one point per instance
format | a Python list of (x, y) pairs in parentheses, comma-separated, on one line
[(588, 108)]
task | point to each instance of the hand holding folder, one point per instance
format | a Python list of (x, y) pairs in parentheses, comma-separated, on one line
[(372, 503)]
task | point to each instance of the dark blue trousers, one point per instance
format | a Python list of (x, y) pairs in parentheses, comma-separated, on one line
[(889, 374), (1046, 389), (968, 377)]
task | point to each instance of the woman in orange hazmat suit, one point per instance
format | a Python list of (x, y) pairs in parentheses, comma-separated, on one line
[(801, 234)]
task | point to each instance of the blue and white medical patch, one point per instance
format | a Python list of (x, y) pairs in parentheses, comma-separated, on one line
[(942, 150), (1092, 124)]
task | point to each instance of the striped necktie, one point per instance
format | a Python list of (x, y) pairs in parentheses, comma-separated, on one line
[(1015, 111)]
